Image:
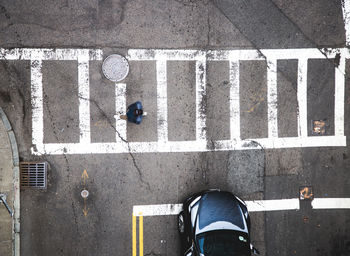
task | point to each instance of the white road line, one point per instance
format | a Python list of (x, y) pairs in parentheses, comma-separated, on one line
[(227, 55), (47, 54), (201, 100), (235, 112), (331, 203), (84, 97), (120, 109), (272, 98), (191, 146), (302, 97), (37, 105), (178, 54), (162, 101), (253, 206), (157, 209), (273, 205), (339, 96), (346, 19)]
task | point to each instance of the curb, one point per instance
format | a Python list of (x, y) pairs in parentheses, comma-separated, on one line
[(16, 198)]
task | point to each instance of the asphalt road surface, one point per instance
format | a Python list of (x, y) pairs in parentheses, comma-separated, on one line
[(233, 106)]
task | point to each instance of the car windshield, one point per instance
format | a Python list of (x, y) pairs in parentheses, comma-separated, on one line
[(224, 243)]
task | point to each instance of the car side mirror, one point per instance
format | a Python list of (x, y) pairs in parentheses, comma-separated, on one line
[(254, 250)]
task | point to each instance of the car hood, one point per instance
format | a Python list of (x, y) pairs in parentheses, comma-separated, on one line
[(219, 210)]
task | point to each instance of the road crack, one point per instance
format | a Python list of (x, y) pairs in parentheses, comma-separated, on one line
[(139, 171)]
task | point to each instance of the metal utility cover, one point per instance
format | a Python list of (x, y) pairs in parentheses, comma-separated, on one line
[(115, 68), (34, 175)]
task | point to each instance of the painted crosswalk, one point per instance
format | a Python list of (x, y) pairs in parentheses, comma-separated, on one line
[(201, 58)]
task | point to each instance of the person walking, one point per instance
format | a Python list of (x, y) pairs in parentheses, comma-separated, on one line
[(134, 113)]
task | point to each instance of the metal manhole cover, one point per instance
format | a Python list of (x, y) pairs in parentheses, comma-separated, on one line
[(115, 67), (33, 175)]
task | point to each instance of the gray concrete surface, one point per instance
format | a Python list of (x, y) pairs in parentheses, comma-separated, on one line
[(6, 187), (9, 188), (53, 221)]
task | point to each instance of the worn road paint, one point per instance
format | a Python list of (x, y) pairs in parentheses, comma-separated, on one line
[(272, 98), (84, 177), (302, 97), (235, 112), (346, 19), (82, 56), (190, 146), (200, 99), (120, 109), (85, 209), (84, 97), (157, 209), (36, 81), (162, 101), (331, 203)]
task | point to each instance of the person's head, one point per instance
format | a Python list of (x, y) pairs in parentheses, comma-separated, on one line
[(138, 112)]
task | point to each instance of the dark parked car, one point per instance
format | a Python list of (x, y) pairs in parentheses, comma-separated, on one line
[(215, 223)]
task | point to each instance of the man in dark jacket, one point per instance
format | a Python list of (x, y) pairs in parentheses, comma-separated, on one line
[(134, 113)]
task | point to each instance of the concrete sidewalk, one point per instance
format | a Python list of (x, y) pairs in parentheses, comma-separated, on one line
[(9, 185)]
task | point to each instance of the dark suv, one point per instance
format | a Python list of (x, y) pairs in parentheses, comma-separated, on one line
[(215, 223)]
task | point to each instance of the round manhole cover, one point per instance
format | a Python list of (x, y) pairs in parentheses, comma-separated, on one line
[(115, 67)]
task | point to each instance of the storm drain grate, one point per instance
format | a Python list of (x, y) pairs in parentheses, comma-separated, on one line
[(33, 175)]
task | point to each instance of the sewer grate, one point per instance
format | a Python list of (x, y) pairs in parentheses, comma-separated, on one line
[(33, 175)]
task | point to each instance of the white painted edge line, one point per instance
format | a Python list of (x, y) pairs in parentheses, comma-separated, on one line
[(302, 97), (162, 101), (189, 146), (331, 203), (272, 98), (235, 113), (120, 108), (253, 206), (346, 19)]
